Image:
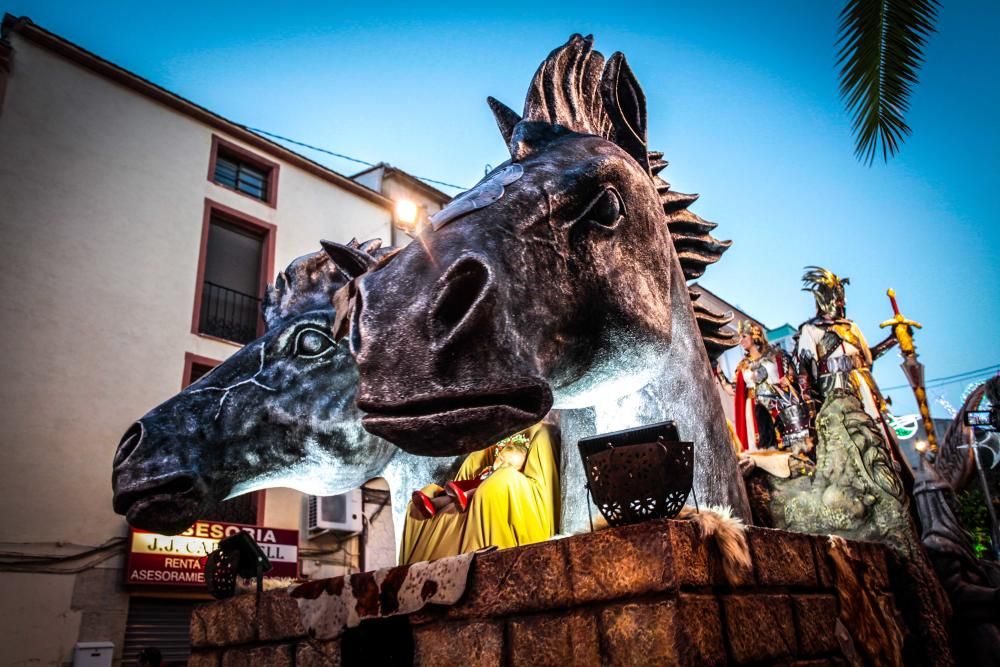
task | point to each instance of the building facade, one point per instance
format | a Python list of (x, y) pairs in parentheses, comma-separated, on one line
[(139, 232), (415, 200)]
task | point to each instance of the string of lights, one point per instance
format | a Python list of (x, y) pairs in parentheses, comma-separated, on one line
[(342, 156)]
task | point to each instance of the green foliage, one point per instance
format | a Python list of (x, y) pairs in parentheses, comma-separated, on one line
[(975, 519), (881, 48)]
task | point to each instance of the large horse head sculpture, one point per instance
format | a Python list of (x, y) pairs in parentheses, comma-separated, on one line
[(279, 412), (560, 280)]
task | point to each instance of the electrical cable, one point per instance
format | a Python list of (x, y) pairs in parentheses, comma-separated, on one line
[(342, 156), (16, 556), (952, 379), (13, 561), (35, 569)]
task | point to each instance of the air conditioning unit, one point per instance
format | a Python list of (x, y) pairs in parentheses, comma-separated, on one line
[(341, 513)]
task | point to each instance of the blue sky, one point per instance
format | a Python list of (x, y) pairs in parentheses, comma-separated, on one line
[(742, 99)]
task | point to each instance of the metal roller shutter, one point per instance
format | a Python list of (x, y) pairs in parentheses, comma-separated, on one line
[(164, 624)]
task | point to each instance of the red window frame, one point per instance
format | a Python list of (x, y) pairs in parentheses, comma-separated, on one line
[(265, 165), (190, 359), (268, 232)]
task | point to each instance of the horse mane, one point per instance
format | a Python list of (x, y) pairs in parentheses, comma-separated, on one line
[(309, 282), (566, 89), (572, 88)]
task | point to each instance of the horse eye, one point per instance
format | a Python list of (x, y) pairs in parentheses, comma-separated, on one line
[(311, 343), (606, 210)]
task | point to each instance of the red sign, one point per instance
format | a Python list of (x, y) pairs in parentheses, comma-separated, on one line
[(179, 560)]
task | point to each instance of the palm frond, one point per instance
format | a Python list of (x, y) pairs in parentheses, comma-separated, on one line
[(881, 49)]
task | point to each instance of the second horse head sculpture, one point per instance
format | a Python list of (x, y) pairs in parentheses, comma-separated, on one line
[(278, 412), (560, 280)]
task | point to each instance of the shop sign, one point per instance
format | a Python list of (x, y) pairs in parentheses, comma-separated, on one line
[(179, 560)]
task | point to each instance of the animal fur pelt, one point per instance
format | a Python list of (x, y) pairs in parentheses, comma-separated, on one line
[(729, 533), (870, 630), (719, 524), (330, 606)]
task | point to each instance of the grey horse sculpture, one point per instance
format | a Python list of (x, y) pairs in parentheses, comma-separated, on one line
[(560, 280), (279, 412)]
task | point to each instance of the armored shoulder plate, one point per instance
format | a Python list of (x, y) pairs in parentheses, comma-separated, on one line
[(828, 343)]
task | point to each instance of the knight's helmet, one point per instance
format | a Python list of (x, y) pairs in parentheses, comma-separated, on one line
[(827, 289), (756, 333)]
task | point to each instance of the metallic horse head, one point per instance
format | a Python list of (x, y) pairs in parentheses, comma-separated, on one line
[(549, 284), (279, 412)]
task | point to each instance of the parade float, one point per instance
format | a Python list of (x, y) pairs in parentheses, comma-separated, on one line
[(556, 288)]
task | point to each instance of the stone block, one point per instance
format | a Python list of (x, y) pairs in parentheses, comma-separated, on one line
[(816, 618), (472, 644), (205, 659), (311, 653), (759, 627), (824, 570), (691, 555), (782, 558), (260, 656), (640, 634), (512, 581), (558, 640), (700, 629), (620, 562), (279, 617), (226, 623)]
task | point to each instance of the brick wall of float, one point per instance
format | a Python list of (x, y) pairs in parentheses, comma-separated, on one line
[(647, 594)]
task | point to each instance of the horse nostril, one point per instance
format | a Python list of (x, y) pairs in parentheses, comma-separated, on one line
[(179, 485), (129, 441), (464, 287)]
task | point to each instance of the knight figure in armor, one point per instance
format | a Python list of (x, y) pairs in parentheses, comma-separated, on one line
[(832, 352), (769, 409), (860, 486)]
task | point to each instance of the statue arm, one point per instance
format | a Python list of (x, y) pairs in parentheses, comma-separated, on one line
[(884, 346), (807, 371)]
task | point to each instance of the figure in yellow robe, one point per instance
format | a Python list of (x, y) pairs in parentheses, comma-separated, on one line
[(508, 509)]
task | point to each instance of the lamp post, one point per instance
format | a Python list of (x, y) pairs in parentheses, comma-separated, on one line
[(407, 218)]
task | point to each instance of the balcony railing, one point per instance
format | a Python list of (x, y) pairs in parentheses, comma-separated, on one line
[(227, 313)]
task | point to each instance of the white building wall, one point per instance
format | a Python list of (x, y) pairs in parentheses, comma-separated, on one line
[(102, 195)]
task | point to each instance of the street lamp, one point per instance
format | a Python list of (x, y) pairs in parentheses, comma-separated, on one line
[(407, 216)]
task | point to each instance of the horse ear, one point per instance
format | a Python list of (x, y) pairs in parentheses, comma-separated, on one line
[(370, 246), (351, 261), (625, 104), (506, 117)]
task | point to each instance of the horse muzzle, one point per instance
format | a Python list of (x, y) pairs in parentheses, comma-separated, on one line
[(451, 423), (149, 498)]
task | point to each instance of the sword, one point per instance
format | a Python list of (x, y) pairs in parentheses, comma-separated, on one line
[(913, 369)]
